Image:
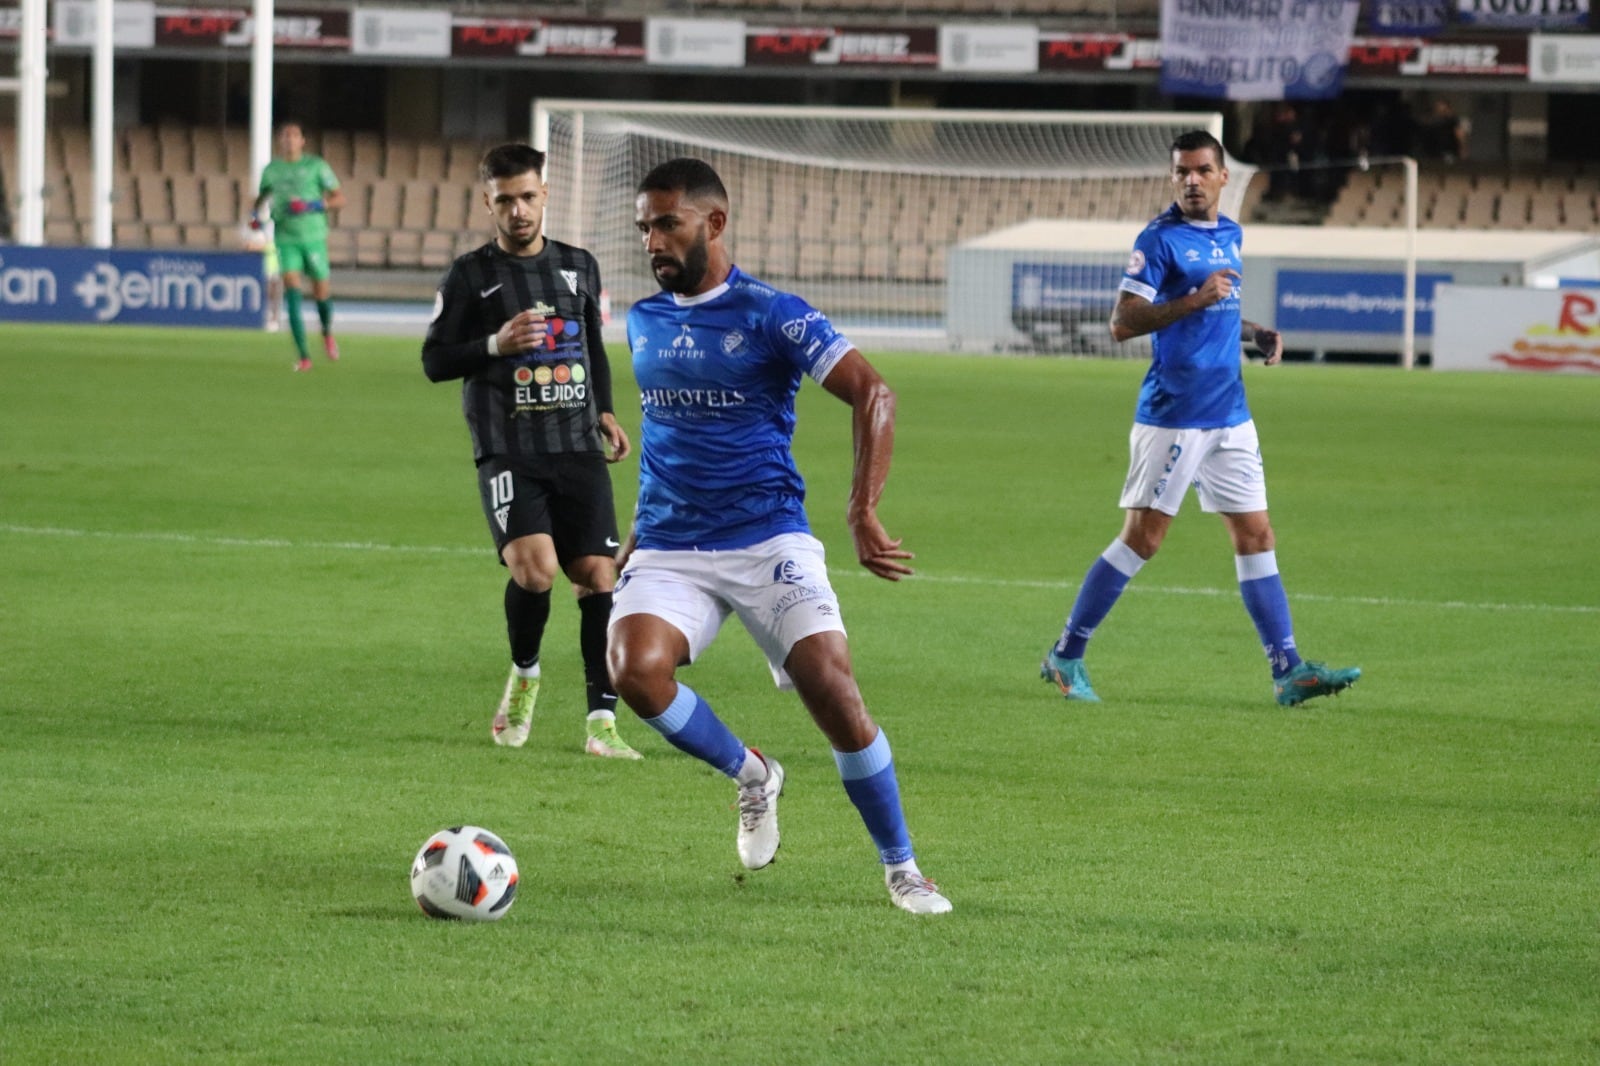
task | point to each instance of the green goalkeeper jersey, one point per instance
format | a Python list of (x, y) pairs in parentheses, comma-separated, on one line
[(308, 178)]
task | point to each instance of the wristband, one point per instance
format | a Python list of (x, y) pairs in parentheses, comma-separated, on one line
[(494, 344)]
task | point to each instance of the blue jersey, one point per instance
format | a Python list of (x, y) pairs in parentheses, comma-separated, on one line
[(1194, 380), (718, 374)]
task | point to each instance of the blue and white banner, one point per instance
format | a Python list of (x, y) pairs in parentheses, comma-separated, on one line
[(1524, 14), (1328, 301), (1256, 49), (1408, 18), (1052, 288), (147, 287)]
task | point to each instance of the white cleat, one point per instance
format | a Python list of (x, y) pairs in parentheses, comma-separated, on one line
[(758, 818), (912, 892)]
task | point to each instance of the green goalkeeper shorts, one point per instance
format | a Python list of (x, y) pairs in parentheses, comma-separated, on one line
[(304, 257)]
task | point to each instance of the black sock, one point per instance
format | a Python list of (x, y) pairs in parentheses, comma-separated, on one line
[(526, 614), (596, 611)]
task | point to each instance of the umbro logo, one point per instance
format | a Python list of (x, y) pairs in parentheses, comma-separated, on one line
[(486, 293), (571, 278)]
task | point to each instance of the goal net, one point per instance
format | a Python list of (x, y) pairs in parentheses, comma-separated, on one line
[(907, 227)]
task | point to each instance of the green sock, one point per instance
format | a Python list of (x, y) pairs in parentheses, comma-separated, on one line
[(325, 312), (297, 325)]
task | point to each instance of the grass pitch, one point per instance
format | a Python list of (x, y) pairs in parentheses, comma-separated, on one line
[(252, 642)]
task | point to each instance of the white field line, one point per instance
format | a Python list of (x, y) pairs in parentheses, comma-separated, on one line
[(938, 579)]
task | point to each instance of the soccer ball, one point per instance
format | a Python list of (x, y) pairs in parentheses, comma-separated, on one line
[(465, 872)]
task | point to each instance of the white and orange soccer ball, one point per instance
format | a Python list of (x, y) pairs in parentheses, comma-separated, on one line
[(466, 873)]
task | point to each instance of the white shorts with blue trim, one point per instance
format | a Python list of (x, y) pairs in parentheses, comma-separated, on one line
[(779, 589), (1223, 465)]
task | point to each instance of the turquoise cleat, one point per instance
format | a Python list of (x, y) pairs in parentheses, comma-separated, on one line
[(1069, 676), (1310, 680)]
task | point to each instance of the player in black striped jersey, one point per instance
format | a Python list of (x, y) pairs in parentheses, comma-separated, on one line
[(518, 322)]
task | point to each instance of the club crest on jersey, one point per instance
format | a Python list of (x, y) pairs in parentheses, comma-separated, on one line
[(1135, 262), (571, 278), (788, 572), (795, 330), (732, 341), (501, 516)]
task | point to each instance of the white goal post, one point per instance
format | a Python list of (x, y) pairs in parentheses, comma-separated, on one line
[(860, 210)]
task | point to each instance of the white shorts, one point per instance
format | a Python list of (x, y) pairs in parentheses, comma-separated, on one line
[(1224, 465), (779, 588)]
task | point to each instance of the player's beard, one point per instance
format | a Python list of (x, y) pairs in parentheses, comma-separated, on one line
[(519, 242), (691, 269)]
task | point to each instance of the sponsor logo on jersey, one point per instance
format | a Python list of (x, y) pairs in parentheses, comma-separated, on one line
[(522, 375), (578, 373), (1135, 262), (684, 339), (438, 306), (571, 278), (541, 308), (541, 375), (1218, 252), (562, 373)]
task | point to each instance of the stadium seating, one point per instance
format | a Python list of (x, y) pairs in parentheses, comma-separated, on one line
[(413, 203)]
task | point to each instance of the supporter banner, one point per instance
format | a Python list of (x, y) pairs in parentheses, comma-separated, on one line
[(151, 288), (1408, 18), (1256, 49), (133, 23), (694, 42), (1564, 59), (387, 32), (547, 38), (1524, 14), (1540, 330), (1328, 301), (842, 46), (989, 49), (1479, 57)]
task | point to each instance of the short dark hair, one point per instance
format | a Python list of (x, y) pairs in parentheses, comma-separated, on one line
[(692, 177), (1195, 140), (290, 120), (510, 160)]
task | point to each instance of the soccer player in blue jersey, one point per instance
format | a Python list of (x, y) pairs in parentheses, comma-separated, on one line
[(720, 526), (1192, 425)]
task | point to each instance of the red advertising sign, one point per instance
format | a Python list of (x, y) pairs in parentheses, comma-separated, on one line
[(221, 27), (840, 46), (547, 38), (1097, 52), (1421, 57)]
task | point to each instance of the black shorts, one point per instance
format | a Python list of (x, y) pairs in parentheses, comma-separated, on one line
[(567, 497)]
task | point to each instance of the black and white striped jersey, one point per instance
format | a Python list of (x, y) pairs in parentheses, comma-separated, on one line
[(542, 402)]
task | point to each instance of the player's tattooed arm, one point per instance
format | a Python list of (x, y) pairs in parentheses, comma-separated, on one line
[(1135, 316)]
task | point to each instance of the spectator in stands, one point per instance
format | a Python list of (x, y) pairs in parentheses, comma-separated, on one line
[(1275, 146), (1192, 426), (1444, 134), (300, 189), (517, 321)]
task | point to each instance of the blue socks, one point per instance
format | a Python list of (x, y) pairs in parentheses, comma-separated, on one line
[(691, 726), (870, 783), (1102, 585), (1268, 605)]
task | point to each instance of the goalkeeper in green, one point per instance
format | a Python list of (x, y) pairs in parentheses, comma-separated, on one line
[(300, 189)]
